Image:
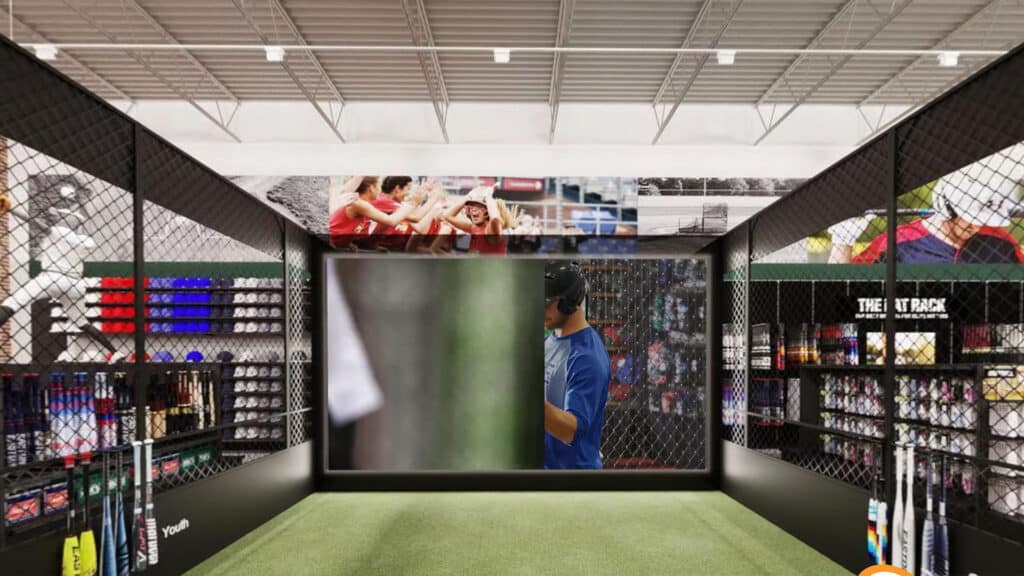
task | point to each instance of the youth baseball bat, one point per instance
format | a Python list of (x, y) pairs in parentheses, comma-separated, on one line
[(154, 555), (138, 520)]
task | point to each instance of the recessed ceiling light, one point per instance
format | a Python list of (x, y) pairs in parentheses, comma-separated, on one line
[(949, 59), (275, 54), (502, 55), (726, 57), (46, 51)]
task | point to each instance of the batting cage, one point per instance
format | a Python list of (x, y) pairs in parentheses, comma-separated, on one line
[(871, 330), (155, 325), (836, 382)]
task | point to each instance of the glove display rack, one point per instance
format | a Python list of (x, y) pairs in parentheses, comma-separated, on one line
[(139, 281), (652, 317)]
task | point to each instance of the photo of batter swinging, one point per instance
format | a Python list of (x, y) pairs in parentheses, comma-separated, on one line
[(577, 373)]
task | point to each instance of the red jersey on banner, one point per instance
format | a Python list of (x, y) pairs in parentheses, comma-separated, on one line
[(481, 242), (391, 237), (344, 227)]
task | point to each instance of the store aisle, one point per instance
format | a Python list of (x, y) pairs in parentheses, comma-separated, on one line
[(519, 533)]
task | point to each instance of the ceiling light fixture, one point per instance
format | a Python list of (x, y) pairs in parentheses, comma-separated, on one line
[(275, 54), (726, 57), (502, 55), (949, 59), (46, 51)]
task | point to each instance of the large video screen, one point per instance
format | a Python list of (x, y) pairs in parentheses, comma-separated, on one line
[(515, 364)]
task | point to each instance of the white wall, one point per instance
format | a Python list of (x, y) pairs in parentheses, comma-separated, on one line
[(289, 138)]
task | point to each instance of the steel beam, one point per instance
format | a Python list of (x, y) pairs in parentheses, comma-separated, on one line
[(328, 116), (430, 63), (106, 83), (191, 58), (694, 26), (565, 11), (897, 9), (220, 123), (836, 18), (696, 72), (937, 46)]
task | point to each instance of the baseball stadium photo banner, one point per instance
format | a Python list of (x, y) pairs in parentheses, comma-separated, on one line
[(478, 215), (973, 215), (704, 207)]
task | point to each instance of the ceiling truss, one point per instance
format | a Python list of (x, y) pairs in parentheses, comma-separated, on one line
[(335, 103)]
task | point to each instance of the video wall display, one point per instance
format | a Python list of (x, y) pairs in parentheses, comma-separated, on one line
[(444, 364)]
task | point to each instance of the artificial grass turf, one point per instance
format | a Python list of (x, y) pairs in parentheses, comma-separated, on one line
[(519, 533)]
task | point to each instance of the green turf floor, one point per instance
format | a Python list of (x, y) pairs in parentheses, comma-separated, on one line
[(519, 533)]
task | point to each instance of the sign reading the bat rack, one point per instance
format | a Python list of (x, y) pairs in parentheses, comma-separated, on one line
[(906, 309)]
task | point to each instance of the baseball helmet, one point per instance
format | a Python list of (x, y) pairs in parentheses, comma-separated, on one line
[(479, 195), (564, 282), (983, 193)]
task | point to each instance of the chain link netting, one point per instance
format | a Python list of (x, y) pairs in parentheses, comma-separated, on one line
[(885, 310), (652, 316), (219, 309)]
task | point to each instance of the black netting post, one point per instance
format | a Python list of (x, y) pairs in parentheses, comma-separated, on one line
[(888, 463), (286, 317), (139, 290), (747, 260)]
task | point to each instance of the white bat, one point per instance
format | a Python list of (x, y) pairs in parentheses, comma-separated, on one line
[(909, 518), (899, 555)]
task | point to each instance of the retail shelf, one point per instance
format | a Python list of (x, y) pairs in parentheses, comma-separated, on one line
[(186, 290), (853, 414), (927, 424)]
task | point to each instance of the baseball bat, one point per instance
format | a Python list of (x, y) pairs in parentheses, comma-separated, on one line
[(138, 521), (123, 555), (87, 540), (898, 554), (928, 533), (909, 516), (71, 562), (872, 521), (151, 532), (941, 565), (108, 558)]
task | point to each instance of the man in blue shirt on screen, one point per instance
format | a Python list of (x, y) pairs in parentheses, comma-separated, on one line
[(577, 372)]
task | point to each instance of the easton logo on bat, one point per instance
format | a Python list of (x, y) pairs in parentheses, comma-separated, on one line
[(181, 526)]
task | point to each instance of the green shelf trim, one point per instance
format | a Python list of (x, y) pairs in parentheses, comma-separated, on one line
[(211, 269), (876, 272)]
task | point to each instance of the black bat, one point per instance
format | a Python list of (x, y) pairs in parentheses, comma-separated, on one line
[(138, 520)]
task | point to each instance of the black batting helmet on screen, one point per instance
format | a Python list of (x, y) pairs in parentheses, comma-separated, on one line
[(563, 281)]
